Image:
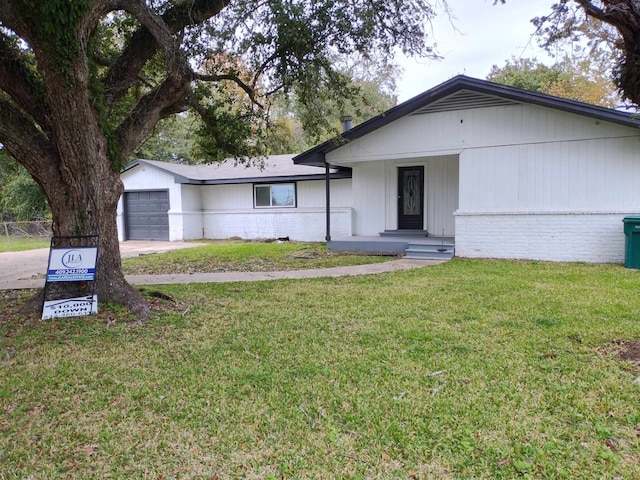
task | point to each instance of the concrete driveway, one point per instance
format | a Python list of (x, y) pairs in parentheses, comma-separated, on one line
[(27, 269)]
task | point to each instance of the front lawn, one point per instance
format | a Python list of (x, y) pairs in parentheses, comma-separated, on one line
[(246, 256), (16, 244), (468, 369)]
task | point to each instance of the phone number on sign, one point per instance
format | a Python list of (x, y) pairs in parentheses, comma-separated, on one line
[(72, 271)]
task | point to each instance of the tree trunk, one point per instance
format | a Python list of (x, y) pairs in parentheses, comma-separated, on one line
[(86, 204), (83, 191), (79, 179)]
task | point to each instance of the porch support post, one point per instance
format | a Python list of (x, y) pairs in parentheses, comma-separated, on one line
[(327, 182)]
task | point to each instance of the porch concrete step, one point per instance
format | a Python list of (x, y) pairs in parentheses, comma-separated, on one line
[(430, 252), (377, 246), (404, 233)]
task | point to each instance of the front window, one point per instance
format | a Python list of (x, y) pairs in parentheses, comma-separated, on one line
[(275, 195)]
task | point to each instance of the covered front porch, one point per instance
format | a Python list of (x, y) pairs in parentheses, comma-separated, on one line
[(411, 243)]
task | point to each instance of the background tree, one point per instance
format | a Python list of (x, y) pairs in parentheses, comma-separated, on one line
[(172, 140), (605, 25), (20, 197), (184, 139), (575, 77), (371, 90), (365, 100), (525, 73), (83, 83)]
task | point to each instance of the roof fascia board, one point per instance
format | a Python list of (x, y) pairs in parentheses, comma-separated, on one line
[(272, 179), (177, 177), (343, 173)]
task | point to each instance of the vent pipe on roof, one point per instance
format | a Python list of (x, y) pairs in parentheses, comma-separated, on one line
[(346, 123)]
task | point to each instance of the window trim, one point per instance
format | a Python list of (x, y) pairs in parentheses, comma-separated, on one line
[(272, 184)]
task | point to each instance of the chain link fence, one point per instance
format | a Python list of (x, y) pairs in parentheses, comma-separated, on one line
[(34, 229)]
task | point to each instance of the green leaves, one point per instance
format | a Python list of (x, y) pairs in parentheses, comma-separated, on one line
[(581, 77), (272, 46), (20, 195), (607, 27)]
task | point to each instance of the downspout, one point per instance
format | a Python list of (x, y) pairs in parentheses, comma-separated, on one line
[(327, 176)]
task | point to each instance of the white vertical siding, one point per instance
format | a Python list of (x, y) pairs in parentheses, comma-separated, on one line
[(441, 195), (192, 227), (375, 194), (579, 176), (191, 199), (453, 131), (229, 212), (313, 193), (370, 195), (220, 197), (143, 177), (561, 201)]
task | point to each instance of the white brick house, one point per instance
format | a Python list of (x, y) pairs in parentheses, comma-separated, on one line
[(501, 172), (165, 201)]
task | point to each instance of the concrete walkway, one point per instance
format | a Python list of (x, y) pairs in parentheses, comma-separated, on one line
[(390, 266), (26, 269)]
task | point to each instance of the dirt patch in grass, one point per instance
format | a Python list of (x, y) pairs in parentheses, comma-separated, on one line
[(630, 351), (625, 350)]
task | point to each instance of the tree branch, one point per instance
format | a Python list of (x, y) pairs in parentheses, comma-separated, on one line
[(162, 102), (621, 15), (214, 130), (250, 91), (143, 45), (11, 20), (156, 26), (591, 10), (24, 141), (17, 81), (99, 8)]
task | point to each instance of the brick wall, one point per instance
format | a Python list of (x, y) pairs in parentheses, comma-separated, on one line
[(585, 237)]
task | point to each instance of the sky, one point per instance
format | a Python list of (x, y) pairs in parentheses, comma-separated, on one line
[(486, 35)]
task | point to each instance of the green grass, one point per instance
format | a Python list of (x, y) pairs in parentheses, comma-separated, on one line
[(468, 369), (15, 244), (239, 256)]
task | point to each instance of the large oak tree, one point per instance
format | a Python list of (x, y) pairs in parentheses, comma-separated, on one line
[(84, 82), (611, 23)]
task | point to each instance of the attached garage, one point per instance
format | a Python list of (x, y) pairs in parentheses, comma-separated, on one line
[(178, 202), (146, 215)]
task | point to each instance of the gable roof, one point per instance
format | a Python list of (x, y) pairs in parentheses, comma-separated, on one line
[(462, 92), (275, 168)]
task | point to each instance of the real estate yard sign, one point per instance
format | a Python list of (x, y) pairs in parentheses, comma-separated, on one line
[(70, 307), (68, 265), (72, 264)]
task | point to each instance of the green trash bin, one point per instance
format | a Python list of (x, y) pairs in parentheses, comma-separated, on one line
[(632, 242)]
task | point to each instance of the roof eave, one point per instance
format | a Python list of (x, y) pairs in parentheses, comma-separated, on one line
[(177, 177), (272, 179)]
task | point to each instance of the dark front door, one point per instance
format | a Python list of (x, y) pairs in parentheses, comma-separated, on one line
[(410, 198)]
